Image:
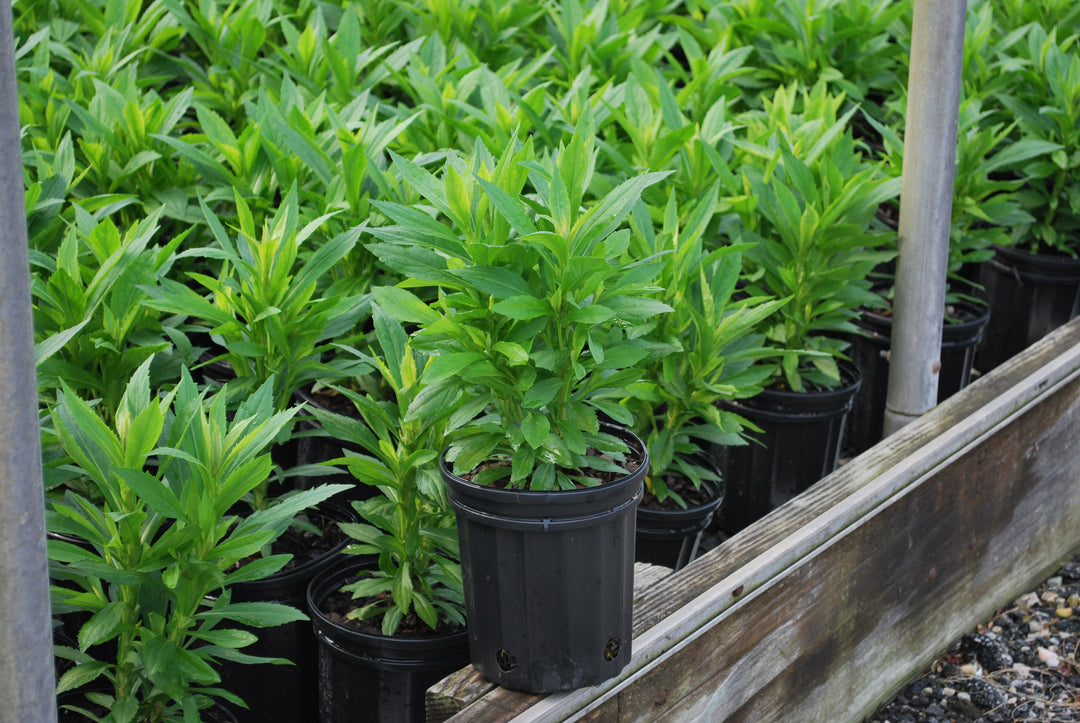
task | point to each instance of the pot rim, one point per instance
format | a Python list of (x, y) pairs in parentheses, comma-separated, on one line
[(783, 405)]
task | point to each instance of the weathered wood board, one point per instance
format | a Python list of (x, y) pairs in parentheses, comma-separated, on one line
[(823, 609)]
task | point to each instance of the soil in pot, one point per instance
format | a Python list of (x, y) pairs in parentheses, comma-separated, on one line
[(288, 692), (1029, 296), (549, 579), (364, 676), (798, 445), (668, 534)]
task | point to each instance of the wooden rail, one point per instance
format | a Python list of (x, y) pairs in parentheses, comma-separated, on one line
[(826, 607)]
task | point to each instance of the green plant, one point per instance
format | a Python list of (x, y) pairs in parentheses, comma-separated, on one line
[(807, 204), (225, 48), (1045, 101), (1013, 14), (490, 31), (538, 306), (151, 560), (649, 115), (409, 524), (604, 36), (711, 349), (91, 329), (849, 44), (985, 208), (268, 305)]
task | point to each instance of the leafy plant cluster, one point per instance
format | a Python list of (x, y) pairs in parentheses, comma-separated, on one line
[(490, 226)]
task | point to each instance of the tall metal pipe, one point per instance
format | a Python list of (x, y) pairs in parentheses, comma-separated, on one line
[(934, 84), (27, 682)]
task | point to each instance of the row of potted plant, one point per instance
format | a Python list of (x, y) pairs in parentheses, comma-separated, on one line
[(494, 229)]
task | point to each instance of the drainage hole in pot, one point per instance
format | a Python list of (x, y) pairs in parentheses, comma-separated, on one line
[(506, 661), (611, 650)]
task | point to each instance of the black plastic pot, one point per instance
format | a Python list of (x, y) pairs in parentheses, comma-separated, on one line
[(870, 353), (549, 579), (372, 678), (1029, 296), (671, 537), (284, 692), (798, 445)]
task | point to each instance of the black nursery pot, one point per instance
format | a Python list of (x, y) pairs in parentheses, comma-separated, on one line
[(869, 352), (549, 579), (366, 678), (799, 444), (1029, 295), (284, 692), (671, 537)]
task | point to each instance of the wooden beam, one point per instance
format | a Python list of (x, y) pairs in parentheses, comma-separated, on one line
[(824, 608)]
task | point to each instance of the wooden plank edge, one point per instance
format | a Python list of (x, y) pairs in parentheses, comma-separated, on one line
[(839, 633)]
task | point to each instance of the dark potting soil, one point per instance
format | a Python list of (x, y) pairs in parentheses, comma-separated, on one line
[(333, 401), (304, 544), (954, 313), (630, 464), (1021, 665), (338, 605), (683, 487)]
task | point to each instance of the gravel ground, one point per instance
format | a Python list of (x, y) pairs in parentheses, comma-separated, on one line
[(1022, 665)]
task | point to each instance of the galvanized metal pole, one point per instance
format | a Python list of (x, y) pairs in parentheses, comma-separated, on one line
[(27, 682), (934, 83)]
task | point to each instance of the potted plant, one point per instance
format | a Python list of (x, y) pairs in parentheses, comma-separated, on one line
[(807, 209), (268, 310), (158, 549), (984, 210), (92, 332), (276, 317), (534, 321), (853, 46), (711, 349), (391, 623), (1033, 282)]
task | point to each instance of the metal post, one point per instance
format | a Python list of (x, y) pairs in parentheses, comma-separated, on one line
[(27, 680), (934, 83)]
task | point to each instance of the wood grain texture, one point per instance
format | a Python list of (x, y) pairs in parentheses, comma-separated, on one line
[(827, 606)]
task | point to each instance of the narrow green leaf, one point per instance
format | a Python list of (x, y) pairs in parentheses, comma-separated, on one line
[(255, 614), (81, 675), (102, 625), (403, 305), (154, 492), (496, 281), (522, 308)]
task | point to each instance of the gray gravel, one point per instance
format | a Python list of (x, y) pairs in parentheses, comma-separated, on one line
[(1021, 665)]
